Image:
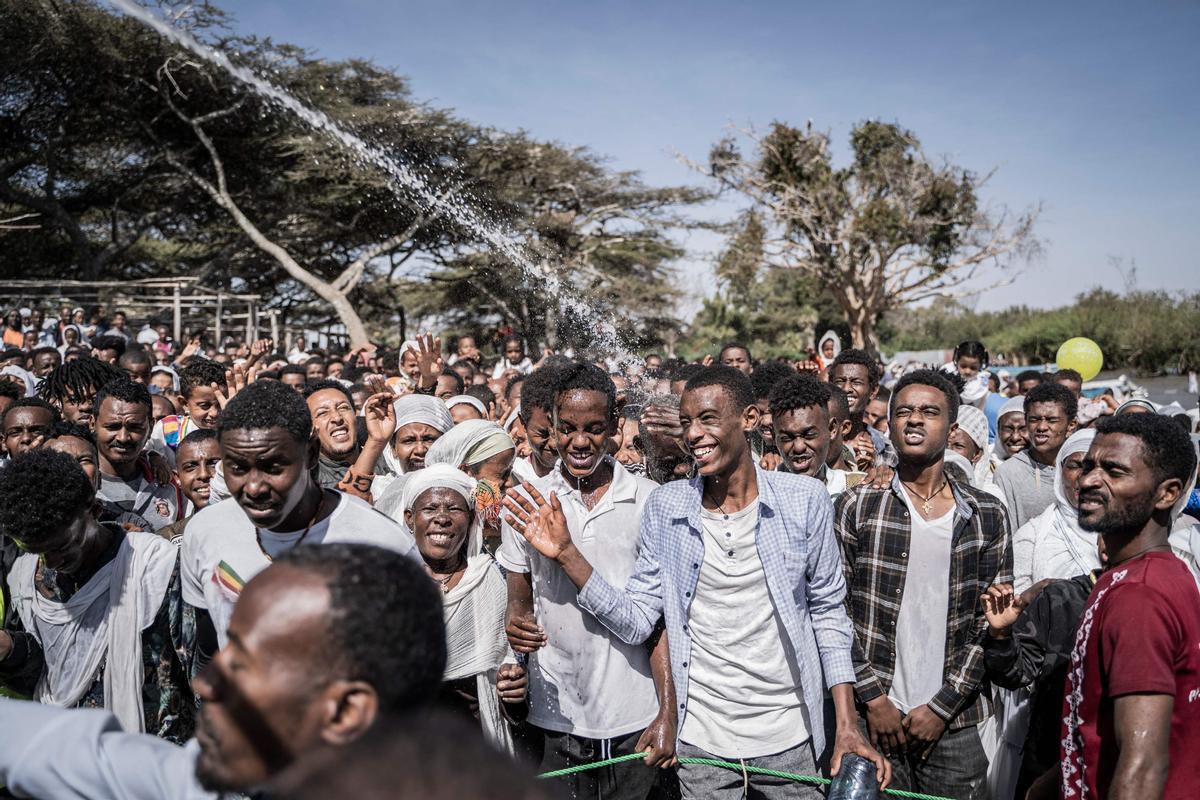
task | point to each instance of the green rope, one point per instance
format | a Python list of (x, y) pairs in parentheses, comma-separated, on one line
[(714, 762)]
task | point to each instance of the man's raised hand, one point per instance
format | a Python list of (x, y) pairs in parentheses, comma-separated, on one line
[(542, 523)]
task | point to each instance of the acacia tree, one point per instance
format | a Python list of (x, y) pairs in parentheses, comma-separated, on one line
[(890, 229)]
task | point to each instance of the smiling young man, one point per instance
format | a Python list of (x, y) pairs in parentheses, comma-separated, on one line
[(917, 555), (1130, 726), (342, 463), (202, 387), (857, 374), (536, 410), (96, 620), (123, 411), (268, 455), (804, 430), (744, 567), (591, 695), (308, 670), (737, 356), (198, 458), (1027, 478)]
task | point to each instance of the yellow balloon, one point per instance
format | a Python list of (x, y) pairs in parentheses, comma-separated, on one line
[(1082, 355)]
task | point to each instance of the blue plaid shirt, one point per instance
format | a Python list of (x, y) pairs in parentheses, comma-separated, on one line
[(800, 559)]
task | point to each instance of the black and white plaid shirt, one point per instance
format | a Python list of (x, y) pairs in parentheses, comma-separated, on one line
[(874, 530)]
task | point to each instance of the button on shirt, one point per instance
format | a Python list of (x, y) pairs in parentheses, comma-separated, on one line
[(801, 568), (585, 681), (745, 698)]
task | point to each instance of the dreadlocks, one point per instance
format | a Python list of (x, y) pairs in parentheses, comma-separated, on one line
[(77, 379)]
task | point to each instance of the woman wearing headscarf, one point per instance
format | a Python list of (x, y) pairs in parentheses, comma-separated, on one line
[(420, 421), (485, 452), (1052, 544), (1010, 431), (970, 439), (482, 678)]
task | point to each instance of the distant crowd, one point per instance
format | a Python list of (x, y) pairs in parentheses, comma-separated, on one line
[(288, 571)]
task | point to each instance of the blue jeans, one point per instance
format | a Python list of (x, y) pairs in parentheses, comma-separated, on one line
[(701, 781)]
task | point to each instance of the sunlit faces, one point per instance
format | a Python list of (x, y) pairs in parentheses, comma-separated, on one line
[(764, 422), (461, 412), (855, 381), (629, 451), (267, 471), (876, 415), (440, 520), (583, 422), (1117, 491), (920, 424), (968, 367), (162, 407), (80, 409), (803, 436), (122, 429), (411, 444), (714, 428), (1047, 426), (738, 358), (84, 453), (45, 362), (961, 443), (1010, 431), (543, 445), (163, 380), (410, 366), (195, 466), (334, 421), (514, 351), (24, 429), (202, 406), (446, 388)]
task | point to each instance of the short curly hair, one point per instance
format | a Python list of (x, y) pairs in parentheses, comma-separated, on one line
[(588, 377), (1166, 447), (41, 493), (403, 660), (1050, 392), (264, 405), (799, 391), (934, 379), (733, 381), (126, 391), (861, 358), (30, 402), (538, 391), (200, 372), (767, 375), (327, 383)]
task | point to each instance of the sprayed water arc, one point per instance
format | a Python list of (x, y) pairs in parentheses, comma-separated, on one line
[(504, 242)]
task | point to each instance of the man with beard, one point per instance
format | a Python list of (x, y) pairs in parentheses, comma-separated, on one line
[(804, 430), (591, 695), (308, 666), (72, 389), (342, 463), (737, 561), (123, 410), (1130, 729), (917, 555), (96, 620), (1027, 479), (268, 454)]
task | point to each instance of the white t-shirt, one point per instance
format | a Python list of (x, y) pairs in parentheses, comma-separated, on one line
[(220, 553), (585, 681), (924, 609), (744, 694), (146, 504)]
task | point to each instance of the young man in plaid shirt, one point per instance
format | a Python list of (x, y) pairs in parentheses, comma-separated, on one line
[(917, 555)]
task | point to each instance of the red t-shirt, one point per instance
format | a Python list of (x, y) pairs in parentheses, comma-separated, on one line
[(1140, 633)]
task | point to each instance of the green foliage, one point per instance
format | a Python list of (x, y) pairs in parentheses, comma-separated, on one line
[(1150, 332)]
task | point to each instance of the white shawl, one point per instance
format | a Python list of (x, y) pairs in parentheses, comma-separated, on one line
[(101, 623)]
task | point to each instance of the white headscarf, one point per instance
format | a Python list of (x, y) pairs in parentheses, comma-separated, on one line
[(974, 423), (1065, 549), (1137, 401), (444, 476), (468, 443), (828, 336), (1014, 405), (475, 609), (26, 377), (466, 399), (414, 408)]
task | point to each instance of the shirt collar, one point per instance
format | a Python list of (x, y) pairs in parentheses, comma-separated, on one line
[(623, 488), (964, 505)]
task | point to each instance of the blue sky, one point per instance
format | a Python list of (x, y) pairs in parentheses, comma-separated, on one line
[(1091, 109)]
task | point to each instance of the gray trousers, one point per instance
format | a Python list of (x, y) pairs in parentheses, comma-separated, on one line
[(701, 781), (957, 767)]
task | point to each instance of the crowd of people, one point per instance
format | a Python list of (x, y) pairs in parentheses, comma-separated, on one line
[(296, 572)]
